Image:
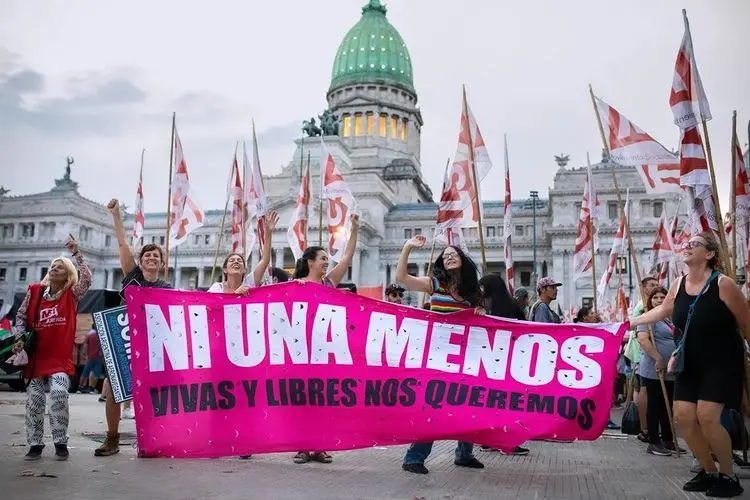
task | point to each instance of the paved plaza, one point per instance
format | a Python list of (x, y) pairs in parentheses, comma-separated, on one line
[(613, 467)]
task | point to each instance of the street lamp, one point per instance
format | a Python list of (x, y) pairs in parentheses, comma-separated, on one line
[(534, 195)]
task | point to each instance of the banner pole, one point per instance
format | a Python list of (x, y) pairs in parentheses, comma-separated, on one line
[(169, 202), (634, 259), (475, 182), (732, 270)]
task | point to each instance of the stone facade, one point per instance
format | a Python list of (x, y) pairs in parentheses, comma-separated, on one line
[(378, 153)]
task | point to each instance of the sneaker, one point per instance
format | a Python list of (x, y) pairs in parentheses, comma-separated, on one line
[(35, 453), (128, 413), (671, 446), (415, 468), (643, 437), (659, 450), (61, 452), (110, 446), (611, 426), (102, 399), (518, 451), (701, 483), (725, 487), (245, 457), (471, 463)]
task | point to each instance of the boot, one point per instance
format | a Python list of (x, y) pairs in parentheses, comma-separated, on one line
[(110, 446)]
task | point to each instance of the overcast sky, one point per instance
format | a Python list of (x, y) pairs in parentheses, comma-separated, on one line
[(99, 80)]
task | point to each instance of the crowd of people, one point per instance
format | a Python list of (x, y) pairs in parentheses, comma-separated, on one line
[(707, 375)]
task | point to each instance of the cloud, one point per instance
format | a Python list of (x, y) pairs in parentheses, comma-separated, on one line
[(280, 135)]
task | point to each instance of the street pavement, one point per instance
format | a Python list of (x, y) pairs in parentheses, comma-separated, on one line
[(613, 467)]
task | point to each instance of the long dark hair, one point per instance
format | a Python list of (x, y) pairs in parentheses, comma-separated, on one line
[(302, 268), (466, 283), (497, 299), (650, 298), (582, 313), (226, 261)]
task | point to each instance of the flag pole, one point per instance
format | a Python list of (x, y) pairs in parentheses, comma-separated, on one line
[(733, 201), (476, 186), (244, 200), (224, 215), (592, 207), (634, 257), (307, 205), (169, 202), (320, 207)]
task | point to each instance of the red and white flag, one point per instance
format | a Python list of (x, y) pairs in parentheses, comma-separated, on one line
[(236, 195), (186, 214), (341, 204), (461, 175), (696, 180), (296, 235), (449, 219), (662, 251), (507, 224), (618, 248), (677, 266), (742, 183), (630, 146), (586, 234), (687, 98), (139, 218), (257, 193)]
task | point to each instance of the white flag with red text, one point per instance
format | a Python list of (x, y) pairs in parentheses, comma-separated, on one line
[(618, 248), (296, 235), (585, 235), (465, 198), (630, 146), (341, 204), (688, 98), (186, 215), (139, 217), (237, 198)]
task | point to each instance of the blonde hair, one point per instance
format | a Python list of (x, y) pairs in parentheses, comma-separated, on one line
[(69, 267)]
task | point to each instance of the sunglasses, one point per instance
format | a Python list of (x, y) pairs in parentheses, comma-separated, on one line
[(694, 244)]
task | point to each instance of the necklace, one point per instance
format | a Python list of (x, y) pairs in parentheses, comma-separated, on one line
[(49, 296)]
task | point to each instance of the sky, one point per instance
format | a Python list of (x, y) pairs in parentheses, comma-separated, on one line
[(100, 80)]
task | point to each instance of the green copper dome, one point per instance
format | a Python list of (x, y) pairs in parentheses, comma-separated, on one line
[(373, 52)]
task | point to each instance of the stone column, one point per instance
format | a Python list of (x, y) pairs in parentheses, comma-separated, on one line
[(201, 276), (356, 261), (110, 278), (278, 260), (382, 276), (177, 278)]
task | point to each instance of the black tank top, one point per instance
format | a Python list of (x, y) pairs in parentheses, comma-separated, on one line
[(712, 339)]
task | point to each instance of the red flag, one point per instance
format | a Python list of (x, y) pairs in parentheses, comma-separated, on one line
[(235, 194), (687, 98)]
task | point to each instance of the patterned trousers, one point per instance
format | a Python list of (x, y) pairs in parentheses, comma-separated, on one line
[(58, 410)]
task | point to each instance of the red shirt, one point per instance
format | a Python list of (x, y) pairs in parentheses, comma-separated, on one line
[(54, 324)]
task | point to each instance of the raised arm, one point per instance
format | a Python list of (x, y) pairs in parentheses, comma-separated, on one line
[(84, 273), (660, 312), (22, 315), (423, 284), (732, 296), (127, 262), (269, 224), (340, 269)]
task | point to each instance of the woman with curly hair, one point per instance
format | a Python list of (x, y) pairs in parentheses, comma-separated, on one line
[(453, 286)]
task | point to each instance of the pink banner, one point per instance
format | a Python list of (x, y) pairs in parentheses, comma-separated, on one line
[(304, 367)]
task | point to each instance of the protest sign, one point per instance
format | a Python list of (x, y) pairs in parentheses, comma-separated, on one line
[(304, 367), (114, 337)]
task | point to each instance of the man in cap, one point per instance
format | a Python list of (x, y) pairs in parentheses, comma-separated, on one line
[(394, 294), (541, 312)]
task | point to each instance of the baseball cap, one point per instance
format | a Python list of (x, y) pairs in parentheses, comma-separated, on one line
[(547, 281), (394, 288), (520, 293)]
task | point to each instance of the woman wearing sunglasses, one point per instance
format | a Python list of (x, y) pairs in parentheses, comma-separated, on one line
[(707, 308)]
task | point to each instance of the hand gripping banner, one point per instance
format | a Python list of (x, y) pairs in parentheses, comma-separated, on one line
[(304, 367)]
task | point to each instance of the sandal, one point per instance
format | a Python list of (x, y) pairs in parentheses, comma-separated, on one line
[(322, 457), (302, 457)]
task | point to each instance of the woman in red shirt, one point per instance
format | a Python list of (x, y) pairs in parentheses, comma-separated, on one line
[(50, 309)]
